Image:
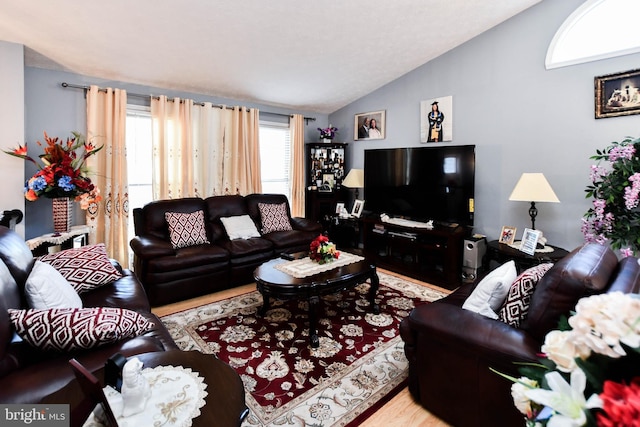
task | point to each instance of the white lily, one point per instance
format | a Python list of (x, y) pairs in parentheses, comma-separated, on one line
[(567, 400)]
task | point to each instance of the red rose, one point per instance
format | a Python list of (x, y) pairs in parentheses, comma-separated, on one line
[(621, 404)]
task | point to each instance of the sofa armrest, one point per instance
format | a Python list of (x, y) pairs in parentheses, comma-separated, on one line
[(471, 332), (150, 247), (305, 224)]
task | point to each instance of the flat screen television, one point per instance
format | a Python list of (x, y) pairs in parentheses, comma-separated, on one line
[(421, 183)]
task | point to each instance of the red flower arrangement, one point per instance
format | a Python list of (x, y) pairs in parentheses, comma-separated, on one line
[(63, 172), (322, 250)]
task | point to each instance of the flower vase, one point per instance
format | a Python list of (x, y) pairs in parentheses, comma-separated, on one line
[(62, 214)]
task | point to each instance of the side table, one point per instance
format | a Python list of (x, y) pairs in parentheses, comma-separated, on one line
[(225, 404), (501, 253), (344, 232), (78, 235)]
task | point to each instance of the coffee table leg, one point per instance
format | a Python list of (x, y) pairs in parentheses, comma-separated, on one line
[(314, 341), (375, 283), (265, 300)]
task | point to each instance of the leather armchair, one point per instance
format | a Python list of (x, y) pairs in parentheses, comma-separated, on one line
[(450, 350)]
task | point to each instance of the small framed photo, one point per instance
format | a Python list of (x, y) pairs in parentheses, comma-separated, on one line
[(328, 179), (617, 94), (507, 235), (339, 208), (370, 125), (357, 208), (529, 241)]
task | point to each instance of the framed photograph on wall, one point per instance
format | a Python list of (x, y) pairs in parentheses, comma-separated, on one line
[(370, 125), (357, 208), (436, 119), (617, 94), (507, 235)]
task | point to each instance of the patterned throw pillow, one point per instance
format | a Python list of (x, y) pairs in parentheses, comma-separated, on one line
[(516, 306), (68, 329), (85, 268), (186, 229), (274, 217)]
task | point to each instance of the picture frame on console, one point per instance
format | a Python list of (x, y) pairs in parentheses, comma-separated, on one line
[(362, 129), (617, 94), (358, 205), (530, 241)]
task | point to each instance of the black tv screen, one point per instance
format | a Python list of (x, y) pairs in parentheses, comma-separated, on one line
[(421, 183)]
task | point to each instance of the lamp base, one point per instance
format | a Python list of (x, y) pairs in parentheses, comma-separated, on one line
[(533, 212)]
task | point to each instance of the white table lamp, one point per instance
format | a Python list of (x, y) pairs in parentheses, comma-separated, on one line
[(354, 179), (533, 187)]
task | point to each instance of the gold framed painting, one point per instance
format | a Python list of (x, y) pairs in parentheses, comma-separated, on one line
[(617, 94)]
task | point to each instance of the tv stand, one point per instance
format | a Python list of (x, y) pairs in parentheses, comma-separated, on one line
[(431, 255)]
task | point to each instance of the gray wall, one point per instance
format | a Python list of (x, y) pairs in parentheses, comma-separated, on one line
[(58, 111), (521, 117)]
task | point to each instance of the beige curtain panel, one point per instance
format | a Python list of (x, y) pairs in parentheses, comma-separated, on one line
[(296, 124), (106, 120)]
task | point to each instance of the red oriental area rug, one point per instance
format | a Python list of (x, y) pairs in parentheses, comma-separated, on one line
[(359, 365)]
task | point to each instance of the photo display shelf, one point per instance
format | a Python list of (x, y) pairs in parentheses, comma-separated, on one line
[(326, 166)]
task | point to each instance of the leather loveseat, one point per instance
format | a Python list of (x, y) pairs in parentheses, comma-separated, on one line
[(28, 374), (170, 275), (450, 350)]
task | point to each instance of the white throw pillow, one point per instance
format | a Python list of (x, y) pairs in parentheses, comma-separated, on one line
[(47, 288), (490, 293), (240, 227)]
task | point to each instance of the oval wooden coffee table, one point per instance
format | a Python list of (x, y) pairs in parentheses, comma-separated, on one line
[(273, 283)]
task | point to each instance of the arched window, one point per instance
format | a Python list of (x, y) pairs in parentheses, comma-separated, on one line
[(598, 29)]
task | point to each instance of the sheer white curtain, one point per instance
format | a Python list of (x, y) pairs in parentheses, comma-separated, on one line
[(106, 121), (201, 151), (296, 124)]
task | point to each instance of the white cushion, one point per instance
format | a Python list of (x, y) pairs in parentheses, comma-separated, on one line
[(240, 227), (490, 293), (47, 288)]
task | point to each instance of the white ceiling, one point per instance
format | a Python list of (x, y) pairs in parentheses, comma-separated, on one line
[(305, 55)]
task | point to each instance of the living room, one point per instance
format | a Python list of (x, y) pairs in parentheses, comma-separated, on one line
[(520, 116)]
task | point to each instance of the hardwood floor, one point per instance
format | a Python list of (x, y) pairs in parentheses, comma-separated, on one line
[(400, 411)]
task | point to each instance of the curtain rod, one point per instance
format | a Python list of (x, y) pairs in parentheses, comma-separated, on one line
[(139, 95)]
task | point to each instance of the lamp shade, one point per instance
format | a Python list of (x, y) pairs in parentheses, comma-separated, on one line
[(533, 187), (354, 179)]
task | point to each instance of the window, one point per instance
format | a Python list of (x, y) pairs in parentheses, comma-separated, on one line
[(139, 164), (275, 156), (598, 29)]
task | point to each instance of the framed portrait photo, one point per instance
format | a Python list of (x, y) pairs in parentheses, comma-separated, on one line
[(617, 94), (370, 125), (339, 208), (507, 235), (357, 208), (436, 119)]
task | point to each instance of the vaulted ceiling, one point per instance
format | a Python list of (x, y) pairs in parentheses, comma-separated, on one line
[(304, 55)]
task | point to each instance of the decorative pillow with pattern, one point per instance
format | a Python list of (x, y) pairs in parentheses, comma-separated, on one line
[(85, 268), (516, 306), (68, 329), (186, 229), (274, 217)]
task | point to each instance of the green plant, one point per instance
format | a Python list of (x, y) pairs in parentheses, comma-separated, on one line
[(615, 187)]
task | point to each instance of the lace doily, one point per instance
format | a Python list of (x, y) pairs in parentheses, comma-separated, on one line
[(305, 267), (545, 250), (57, 239), (177, 394)]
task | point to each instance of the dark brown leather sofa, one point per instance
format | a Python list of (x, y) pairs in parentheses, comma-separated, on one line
[(28, 374), (450, 350), (170, 275)]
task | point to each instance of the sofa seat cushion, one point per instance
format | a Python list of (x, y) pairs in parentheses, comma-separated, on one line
[(125, 292), (244, 247), (290, 239), (185, 258)]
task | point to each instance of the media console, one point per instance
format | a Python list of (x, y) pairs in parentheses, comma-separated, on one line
[(431, 255)]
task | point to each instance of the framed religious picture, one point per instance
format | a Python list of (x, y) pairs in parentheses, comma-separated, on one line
[(617, 94), (369, 125), (436, 119), (507, 235)]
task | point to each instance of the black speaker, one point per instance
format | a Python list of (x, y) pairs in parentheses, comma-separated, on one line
[(473, 252)]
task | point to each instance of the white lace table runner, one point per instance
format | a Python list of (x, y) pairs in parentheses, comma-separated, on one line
[(57, 239), (305, 267), (545, 250), (177, 394)]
